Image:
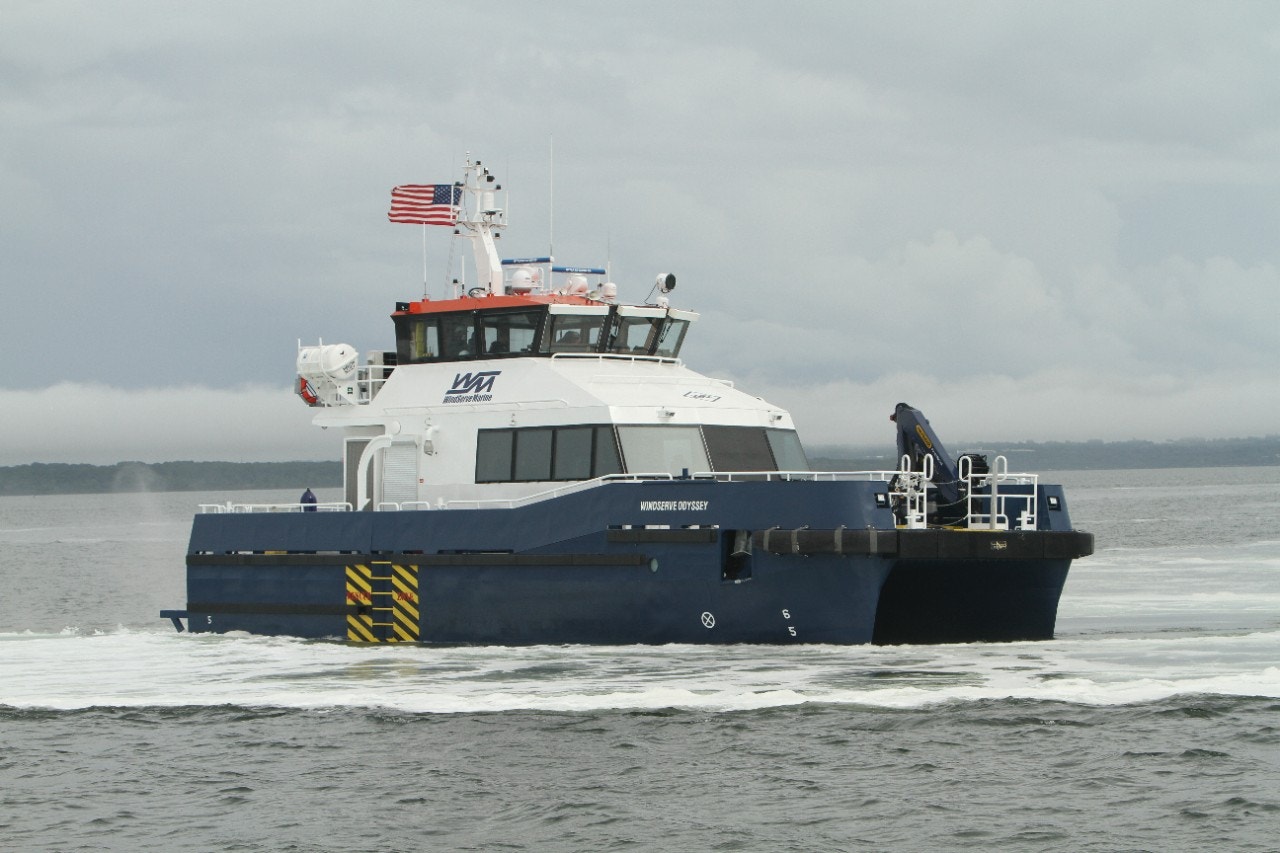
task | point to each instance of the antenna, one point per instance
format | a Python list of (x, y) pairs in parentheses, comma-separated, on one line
[(551, 197)]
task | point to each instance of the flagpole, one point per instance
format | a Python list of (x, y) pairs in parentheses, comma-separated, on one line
[(424, 260)]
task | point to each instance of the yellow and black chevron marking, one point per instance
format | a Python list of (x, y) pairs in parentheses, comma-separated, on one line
[(404, 604), (360, 595), (385, 598)]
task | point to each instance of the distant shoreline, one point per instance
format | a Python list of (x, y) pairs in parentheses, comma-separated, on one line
[(61, 478), (1037, 456)]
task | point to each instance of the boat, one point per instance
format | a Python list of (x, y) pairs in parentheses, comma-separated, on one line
[(534, 464)]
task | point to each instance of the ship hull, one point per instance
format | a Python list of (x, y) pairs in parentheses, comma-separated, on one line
[(651, 562), (582, 598), (980, 601)]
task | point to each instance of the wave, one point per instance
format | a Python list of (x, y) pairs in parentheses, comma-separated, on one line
[(148, 669)]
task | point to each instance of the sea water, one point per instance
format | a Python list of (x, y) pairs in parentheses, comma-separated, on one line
[(1152, 721)]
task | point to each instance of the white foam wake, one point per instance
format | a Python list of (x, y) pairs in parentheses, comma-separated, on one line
[(140, 669)]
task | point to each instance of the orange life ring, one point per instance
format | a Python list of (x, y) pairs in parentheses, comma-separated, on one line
[(306, 392)]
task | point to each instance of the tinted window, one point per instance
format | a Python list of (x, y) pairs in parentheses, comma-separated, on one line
[(606, 460), (735, 448), (533, 454), (493, 455), (573, 453), (546, 453)]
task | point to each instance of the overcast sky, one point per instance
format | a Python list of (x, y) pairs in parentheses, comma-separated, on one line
[(1030, 220)]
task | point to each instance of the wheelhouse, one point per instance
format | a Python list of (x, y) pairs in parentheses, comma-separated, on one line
[(506, 327)]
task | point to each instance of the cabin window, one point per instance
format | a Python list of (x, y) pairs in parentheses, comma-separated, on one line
[(417, 339), (503, 334), (605, 458), (573, 454), (788, 454), (534, 454), (568, 453), (494, 452), (663, 449), (737, 448), (671, 338)]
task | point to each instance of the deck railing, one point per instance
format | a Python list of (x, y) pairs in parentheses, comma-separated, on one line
[(909, 492), (231, 507)]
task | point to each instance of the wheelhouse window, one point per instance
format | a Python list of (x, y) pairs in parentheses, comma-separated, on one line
[(458, 336), (535, 454), (648, 331), (671, 338), (636, 330), (417, 339), (574, 329), (555, 328), (511, 333)]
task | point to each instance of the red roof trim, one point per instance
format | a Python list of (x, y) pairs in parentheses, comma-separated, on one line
[(466, 303)]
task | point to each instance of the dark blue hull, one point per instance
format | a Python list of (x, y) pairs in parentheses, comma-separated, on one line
[(652, 562), (824, 600)]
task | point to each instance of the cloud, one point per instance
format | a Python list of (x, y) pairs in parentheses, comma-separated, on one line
[(1051, 405), (1041, 199), (957, 308), (101, 425)]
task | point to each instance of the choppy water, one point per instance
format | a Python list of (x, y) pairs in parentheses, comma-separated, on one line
[(1151, 723)]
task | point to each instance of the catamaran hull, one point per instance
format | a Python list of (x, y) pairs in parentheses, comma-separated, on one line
[(938, 602), (663, 562), (520, 600)]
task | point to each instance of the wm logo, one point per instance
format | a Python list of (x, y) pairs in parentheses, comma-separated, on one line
[(472, 383)]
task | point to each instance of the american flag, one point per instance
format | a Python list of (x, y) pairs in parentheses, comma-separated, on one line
[(425, 204)]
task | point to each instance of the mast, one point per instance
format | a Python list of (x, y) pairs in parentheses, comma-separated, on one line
[(482, 219)]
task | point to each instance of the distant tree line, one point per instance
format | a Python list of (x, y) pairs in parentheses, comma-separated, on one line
[(1078, 455), (51, 478)]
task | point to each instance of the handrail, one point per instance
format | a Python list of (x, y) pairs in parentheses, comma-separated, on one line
[(398, 506), (990, 510), (717, 476), (231, 507), (656, 379), (910, 485), (912, 492), (618, 356)]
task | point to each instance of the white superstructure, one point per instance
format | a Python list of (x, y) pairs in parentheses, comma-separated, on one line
[(520, 387)]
